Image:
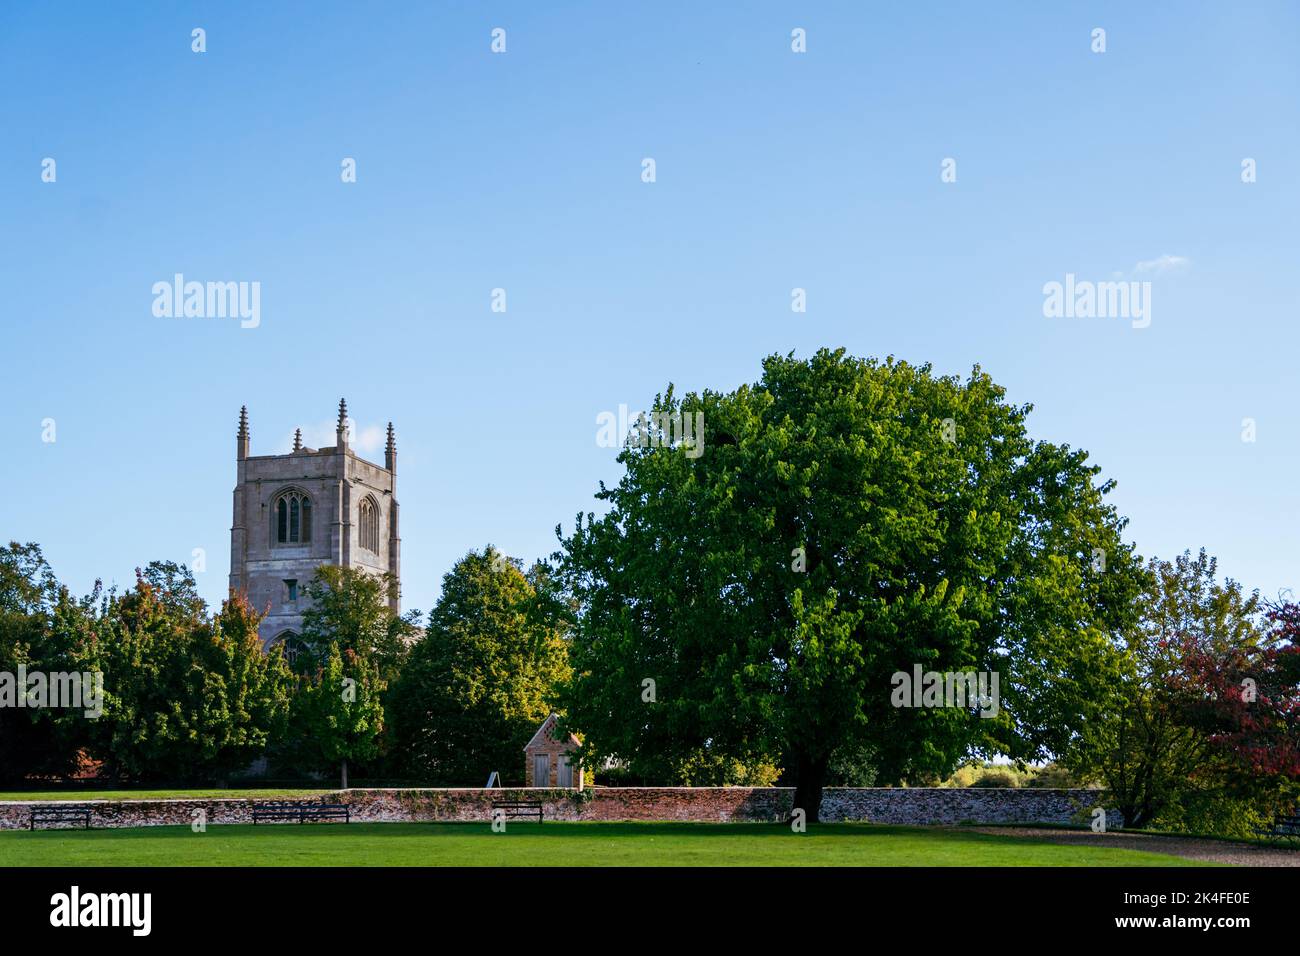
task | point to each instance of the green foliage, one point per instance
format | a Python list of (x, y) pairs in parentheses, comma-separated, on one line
[(974, 553), (482, 679), (1000, 778), (1215, 811), (704, 768), (1053, 776), (186, 698), (173, 585), (27, 583), (983, 774), (851, 766), (41, 629), (336, 715), (349, 607), (1139, 741)]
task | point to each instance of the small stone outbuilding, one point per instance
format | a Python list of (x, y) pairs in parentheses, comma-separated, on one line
[(548, 760)]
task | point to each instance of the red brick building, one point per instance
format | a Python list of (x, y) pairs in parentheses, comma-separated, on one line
[(548, 761)]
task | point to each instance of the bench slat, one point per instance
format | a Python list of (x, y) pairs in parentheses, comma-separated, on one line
[(60, 813), (513, 809), (300, 810)]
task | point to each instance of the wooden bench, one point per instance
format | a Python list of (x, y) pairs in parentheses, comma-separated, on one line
[(518, 808), (61, 813), (1285, 827), (300, 810)]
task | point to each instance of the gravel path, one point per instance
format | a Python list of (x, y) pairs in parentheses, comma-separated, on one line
[(1208, 851)]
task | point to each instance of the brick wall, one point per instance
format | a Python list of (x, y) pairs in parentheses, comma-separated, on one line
[(698, 804)]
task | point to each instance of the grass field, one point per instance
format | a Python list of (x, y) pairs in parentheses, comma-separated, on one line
[(551, 844)]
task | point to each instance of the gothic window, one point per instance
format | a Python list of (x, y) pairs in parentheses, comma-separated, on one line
[(368, 525), (289, 641), (292, 518)]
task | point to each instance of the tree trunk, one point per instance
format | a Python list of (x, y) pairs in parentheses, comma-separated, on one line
[(345, 773), (810, 777)]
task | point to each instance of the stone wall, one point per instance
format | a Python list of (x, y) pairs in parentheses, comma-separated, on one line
[(921, 806), (965, 805)]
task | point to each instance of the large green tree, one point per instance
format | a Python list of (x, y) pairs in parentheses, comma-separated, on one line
[(843, 520), (337, 715), (483, 678), (186, 697)]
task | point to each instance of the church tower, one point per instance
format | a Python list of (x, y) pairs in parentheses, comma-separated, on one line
[(296, 512)]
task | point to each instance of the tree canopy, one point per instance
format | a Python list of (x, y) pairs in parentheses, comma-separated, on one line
[(483, 678), (1202, 725), (349, 607), (847, 519)]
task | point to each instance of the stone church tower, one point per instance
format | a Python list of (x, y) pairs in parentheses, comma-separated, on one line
[(296, 512)]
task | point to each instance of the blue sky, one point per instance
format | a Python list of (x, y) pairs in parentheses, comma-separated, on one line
[(522, 171)]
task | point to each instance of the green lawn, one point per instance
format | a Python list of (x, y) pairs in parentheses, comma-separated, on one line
[(83, 796), (551, 844)]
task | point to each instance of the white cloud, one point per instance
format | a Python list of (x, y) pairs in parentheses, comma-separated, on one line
[(370, 438), (366, 439), (1163, 264)]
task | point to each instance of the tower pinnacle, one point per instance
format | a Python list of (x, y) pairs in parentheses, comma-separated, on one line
[(342, 429), (241, 439)]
